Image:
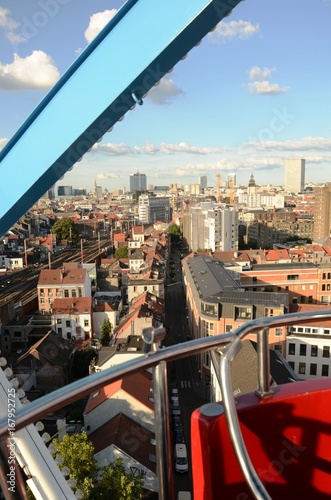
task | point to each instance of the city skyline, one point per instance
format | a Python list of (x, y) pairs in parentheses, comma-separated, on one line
[(248, 98)]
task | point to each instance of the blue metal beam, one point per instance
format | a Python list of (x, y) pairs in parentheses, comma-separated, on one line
[(134, 51)]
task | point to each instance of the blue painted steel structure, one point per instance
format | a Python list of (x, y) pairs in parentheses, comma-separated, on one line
[(132, 53)]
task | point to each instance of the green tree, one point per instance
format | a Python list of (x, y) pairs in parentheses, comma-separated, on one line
[(66, 229), (121, 253), (105, 332), (174, 232), (117, 484), (77, 452)]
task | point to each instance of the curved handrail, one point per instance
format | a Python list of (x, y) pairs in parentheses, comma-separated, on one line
[(231, 343)]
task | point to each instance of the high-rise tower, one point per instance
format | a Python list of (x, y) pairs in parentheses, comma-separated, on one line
[(295, 175)]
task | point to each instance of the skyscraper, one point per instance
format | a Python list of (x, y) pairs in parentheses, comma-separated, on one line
[(295, 175), (138, 182), (203, 181), (322, 216)]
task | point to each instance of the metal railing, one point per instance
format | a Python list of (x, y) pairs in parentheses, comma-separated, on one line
[(158, 358)]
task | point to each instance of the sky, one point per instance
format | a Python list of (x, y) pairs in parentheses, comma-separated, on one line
[(256, 91)]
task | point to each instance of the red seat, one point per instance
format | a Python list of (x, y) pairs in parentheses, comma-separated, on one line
[(288, 438)]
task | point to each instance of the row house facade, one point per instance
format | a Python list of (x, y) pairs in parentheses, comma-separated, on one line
[(61, 284), (72, 318)]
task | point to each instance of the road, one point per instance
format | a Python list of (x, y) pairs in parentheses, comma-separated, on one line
[(182, 374)]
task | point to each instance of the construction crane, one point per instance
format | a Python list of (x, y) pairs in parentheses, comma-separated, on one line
[(218, 196)]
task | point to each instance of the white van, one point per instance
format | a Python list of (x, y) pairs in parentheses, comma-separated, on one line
[(181, 462)]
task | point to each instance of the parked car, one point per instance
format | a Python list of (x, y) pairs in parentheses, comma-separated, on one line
[(175, 410), (181, 462), (177, 423), (179, 436)]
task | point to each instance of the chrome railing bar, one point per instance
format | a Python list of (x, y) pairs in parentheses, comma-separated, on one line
[(263, 363), (227, 356), (66, 395), (231, 415)]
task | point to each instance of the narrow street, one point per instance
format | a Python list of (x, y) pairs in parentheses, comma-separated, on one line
[(182, 374)]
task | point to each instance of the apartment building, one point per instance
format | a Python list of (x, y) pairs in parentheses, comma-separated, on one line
[(217, 304), (61, 283), (322, 227), (309, 346), (299, 280), (72, 318), (212, 227)]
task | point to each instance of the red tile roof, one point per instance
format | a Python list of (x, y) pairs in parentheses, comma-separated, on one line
[(138, 386), (57, 277), (113, 432), (81, 305)]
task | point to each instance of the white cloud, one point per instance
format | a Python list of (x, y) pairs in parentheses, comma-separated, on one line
[(108, 175), (164, 91), (110, 149), (265, 87), (228, 30), (97, 22), (303, 144), (6, 21), (3, 142), (36, 71), (257, 73)]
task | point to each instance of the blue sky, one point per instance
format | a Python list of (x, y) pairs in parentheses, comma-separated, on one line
[(255, 92)]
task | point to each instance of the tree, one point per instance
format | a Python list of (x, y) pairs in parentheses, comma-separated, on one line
[(66, 229), (121, 253), (174, 232), (117, 484), (105, 332), (77, 452)]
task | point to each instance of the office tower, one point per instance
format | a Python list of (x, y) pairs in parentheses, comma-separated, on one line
[(232, 180), (154, 208), (322, 212), (64, 191), (203, 181), (138, 182), (295, 175)]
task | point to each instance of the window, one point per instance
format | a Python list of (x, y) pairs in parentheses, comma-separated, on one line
[(59, 330), (80, 292), (302, 368), (278, 332), (242, 312), (292, 277), (313, 351), (310, 299), (254, 279), (327, 332), (303, 349), (279, 347), (313, 369), (66, 293), (295, 300), (68, 323), (58, 321), (291, 348), (42, 291), (325, 370), (292, 364), (326, 351), (73, 293), (42, 301), (228, 328), (86, 322)]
